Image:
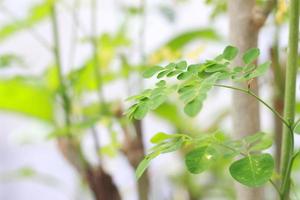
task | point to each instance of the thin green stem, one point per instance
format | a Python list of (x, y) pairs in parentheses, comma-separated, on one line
[(97, 71), (98, 74), (275, 186), (289, 100), (64, 95), (249, 92), (56, 50), (296, 124)]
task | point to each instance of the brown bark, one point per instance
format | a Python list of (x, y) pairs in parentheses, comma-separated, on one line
[(245, 22), (102, 184), (99, 182), (135, 152)]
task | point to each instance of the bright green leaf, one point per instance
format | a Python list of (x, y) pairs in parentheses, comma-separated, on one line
[(181, 65), (184, 75), (193, 107), (200, 159), (230, 52), (152, 71), (253, 170), (260, 70), (26, 98), (141, 110), (251, 55), (144, 164)]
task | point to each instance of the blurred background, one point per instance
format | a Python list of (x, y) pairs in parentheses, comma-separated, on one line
[(65, 73)]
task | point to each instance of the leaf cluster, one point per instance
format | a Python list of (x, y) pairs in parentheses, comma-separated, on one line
[(195, 81), (253, 170)]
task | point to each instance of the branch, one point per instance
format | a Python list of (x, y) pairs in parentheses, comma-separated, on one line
[(260, 14)]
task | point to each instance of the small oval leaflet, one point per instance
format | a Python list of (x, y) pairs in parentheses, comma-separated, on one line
[(251, 55)]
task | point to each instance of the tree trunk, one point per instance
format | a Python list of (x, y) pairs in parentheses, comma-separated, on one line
[(246, 118)]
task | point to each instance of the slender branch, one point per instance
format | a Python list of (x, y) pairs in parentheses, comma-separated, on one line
[(74, 34), (98, 75), (39, 38), (262, 13), (296, 124), (258, 98), (56, 50), (76, 19)]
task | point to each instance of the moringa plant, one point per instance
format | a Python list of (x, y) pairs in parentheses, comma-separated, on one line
[(254, 167), (196, 80)]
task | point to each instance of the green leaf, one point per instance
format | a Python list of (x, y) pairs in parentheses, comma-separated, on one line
[(253, 170), (184, 75), (141, 110), (159, 137), (161, 83), (260, 70), (152, 71), (251, 55), (230, 52), (200, 159), (35, 15), (254, 137), (157, 101), (173, 73), (181, 65), (185, 38), (194, 68), (26, 97), (144, 164), (163, 73), (193, 107), (265, 143), (215, 68)]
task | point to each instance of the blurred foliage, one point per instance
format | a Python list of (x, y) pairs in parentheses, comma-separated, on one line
[(35, 15), (26, 96)]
